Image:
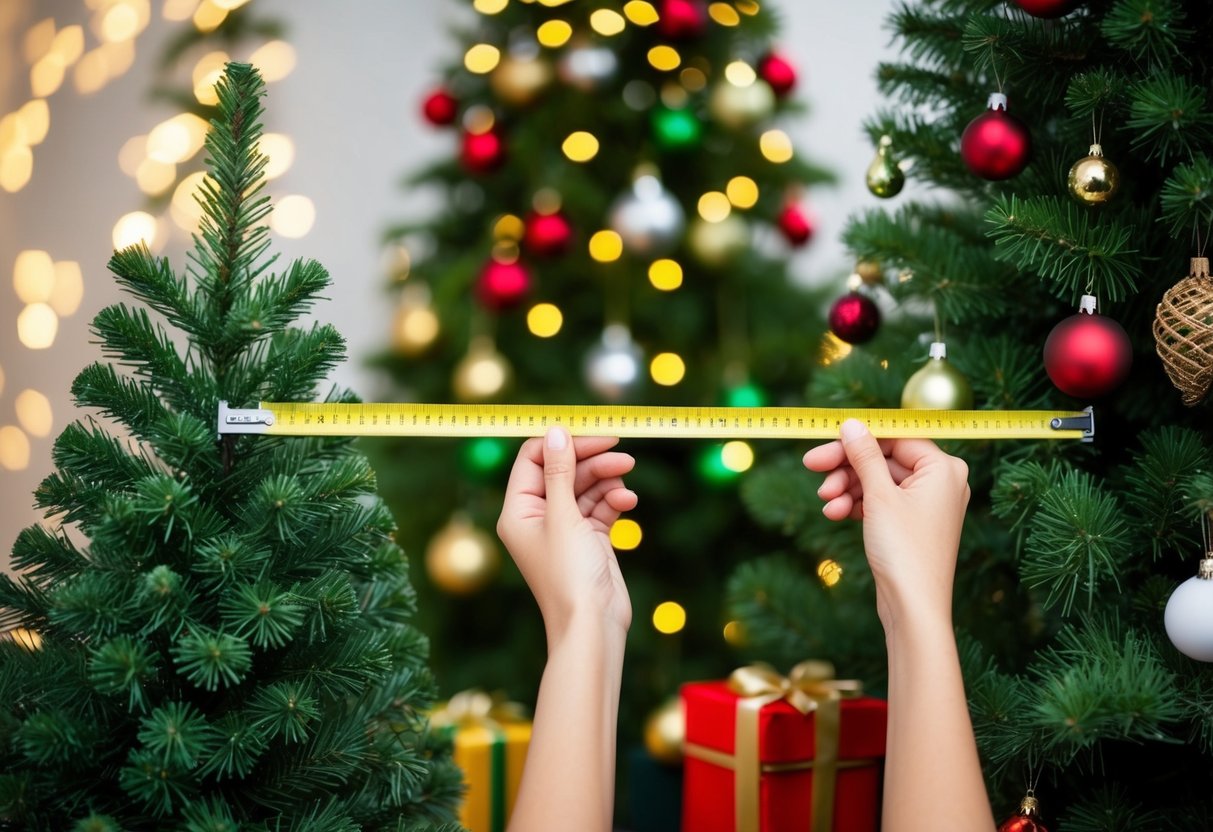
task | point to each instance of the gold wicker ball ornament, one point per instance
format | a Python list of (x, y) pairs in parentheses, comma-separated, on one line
[(1183, 332)]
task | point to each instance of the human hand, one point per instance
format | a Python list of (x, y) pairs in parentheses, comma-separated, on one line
[(556, 520), (911, 497)]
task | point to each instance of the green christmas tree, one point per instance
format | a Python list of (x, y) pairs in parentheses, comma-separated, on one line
[(223, 625), (1071, 551), (616, 229)]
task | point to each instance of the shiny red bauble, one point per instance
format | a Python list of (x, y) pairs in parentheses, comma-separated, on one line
[(1088, 355), (796, 224), (1048, 8), (503, 284), (854, 318), (996, 145), (778, 72), (547, 235), (1021, 823), (482, 152), (440, 108), (682, 19)]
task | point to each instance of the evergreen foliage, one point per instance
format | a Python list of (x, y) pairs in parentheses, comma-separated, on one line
[(1070, 552), (225, 624)]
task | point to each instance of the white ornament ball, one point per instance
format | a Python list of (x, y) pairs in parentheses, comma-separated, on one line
[(717, 244), (1189, 616), (649, 219), (612, 368), (738, 107), (586, 67)]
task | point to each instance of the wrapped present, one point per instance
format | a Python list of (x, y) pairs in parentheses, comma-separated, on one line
[(491, 740), (765, 753)]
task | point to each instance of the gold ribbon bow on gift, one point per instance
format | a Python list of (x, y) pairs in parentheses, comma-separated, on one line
[(809, 688), (475, 707)]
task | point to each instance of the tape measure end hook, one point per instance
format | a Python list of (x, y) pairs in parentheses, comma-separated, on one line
[(1085, 423), (243, 420)]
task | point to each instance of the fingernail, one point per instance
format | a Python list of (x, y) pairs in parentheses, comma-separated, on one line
[(821, 489), (557, 439), (852, 429)]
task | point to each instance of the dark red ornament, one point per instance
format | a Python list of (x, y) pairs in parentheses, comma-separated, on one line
[(778, 72), (440, 108), (682, 19), (503, 284), (1048, 8), (854, 318), (1088, 354), (996, 145), (796, 224), (482, 152), (1025, 819), (547, 235)]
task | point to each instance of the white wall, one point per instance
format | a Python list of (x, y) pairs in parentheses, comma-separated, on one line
[(351, 108)]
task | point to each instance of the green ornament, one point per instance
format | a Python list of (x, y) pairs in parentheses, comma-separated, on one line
[(675, 130), (712, 467), (937, 385), (885, 177), (484, 455), (745, 395)]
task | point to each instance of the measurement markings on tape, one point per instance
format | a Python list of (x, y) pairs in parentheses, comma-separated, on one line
[(455, 420)]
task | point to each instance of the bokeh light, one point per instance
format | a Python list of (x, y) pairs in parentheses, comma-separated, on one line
[(135, 227), (724, 14), (606, 246), (776, 146), (544, 320), (740, 74), (664, 58), (37, 326), (737, 456), (184, 207), (34, 413), (34, 276), (177, 139), (490, 6), (667, 369), (829, 571), (206, 74), (580, 146), (734, 633), (607, 22), (14, 448), (275, 60), (293, 216), (669, 617), (554, 33), (714, 206), (640, 12), (279, 151), (665, 275), (482, 58), (208, 16), (742, 192), (626, 534), (34, 117), (68, 291)]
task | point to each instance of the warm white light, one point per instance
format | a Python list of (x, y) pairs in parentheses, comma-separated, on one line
[(177, 139), (38, 40), (34, 276), (275, 59), (34, 413), (14, 448), (206, 73), (154, 178), (293, 216), (35, 120), (179, 10), (46, 76), (37, 326), (737, 456), (184, 207), (69, 288), (280, 153), (16, 168), (119, 56), (133, 152), (69, 44), (135, 227)]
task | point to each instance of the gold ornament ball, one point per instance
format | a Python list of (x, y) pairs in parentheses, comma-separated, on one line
[(885, 177), (737, 107), (482, 374), (1093, 179), (665, 732), (461, 559), (415, 326), (937, 385), (870, 272), (519, 81), (717, 244)]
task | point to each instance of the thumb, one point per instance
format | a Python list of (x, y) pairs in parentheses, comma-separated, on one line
[(559, 470), (865, 456)]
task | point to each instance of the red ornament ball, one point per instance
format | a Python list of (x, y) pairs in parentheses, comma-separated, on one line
[(996, 145), (547, 235), (1025, 819), (1088, 355), (1048, 8), (796, 224), (482, 152), (682, 19), (503, 284), (440, 108), (854, 318), (778, 72)]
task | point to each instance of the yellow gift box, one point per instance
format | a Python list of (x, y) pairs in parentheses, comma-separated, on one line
[(491, 740)]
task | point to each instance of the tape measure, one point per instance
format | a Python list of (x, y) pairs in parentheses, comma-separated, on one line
[(455, 420)]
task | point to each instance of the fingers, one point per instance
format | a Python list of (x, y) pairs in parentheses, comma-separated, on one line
[(839, 508), (865, 456), (613, 503), (526, 477), (559, 472), (600, 467)]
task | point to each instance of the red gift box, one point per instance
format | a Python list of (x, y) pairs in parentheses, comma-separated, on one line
[(756, 743)]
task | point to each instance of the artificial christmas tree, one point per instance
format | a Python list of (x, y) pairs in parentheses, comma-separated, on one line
[(224, 636), (1070, 551)]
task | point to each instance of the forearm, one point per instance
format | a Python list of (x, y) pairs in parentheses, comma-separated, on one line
[(569, 778), (930, 734)]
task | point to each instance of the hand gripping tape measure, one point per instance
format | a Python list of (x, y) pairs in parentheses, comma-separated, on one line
[(635, 421)]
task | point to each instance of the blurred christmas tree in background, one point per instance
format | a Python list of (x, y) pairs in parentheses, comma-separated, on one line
[(616, 228), (1071, 551)]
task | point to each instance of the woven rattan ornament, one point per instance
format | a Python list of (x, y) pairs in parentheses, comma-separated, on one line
[(1183, 332)]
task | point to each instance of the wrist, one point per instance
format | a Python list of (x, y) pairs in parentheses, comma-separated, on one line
[(585, 629)]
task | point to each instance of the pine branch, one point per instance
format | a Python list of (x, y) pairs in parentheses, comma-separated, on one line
[(1169, 117), (1187, 198), (1150, 31)]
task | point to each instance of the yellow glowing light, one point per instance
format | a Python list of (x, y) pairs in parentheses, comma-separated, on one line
[(119, 22), (34, 276), (490, 6), (14, 448), (737, 456), (740, 74), (626, 534), (46, 76), (554, 33), (279, 151), (664, 58), (135, 227), (12, 132), (640, 12), (580, 146), (607, 22), (544, 320), (184, 207), (34, 413), (91, 74), (1, 379), (833, 349), (293, 216), (829, 572), (482, 374), (119, 57), (37, 326), (724, 14), (25, 637), (509, 227), (16, 168), (179, 10), (154, 178), (69, 288), (693, 79), (35, 120), (742, 191), (38, 40), (669, 617), (606, 246), (667, 369), (131, 154), (482, 58), (177, 139), (776, 146), (206, 73), (665, 275), (747, 7), (275, 59), (69, 44), (416, 324), (208, 16), (229, 5), (714, 206), (734, 633)]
